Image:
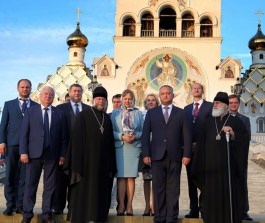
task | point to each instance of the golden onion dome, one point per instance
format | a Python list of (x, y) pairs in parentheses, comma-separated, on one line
[(257, 42), (77, 38)]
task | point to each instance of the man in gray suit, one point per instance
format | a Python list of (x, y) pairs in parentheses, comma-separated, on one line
[(234, 103), (12, 117)]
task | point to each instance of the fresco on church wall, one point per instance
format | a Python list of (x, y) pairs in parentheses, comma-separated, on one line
[(168, 66)]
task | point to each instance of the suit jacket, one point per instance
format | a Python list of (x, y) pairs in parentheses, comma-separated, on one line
[(170, 137), (12, 117), (70, 116), (205, 111), (32, 133), (246, 122), (116, 120)]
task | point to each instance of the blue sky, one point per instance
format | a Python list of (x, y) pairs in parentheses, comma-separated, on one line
[(33, 35)]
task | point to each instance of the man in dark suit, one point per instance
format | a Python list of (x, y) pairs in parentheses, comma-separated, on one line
[(234, 103), (165, 152), (42, 145), (71, 110), (197, 114), (12, 116)]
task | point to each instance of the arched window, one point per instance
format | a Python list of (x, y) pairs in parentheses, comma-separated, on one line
[(187, 26), (129, 27), (167, 23), (147, 25), (75, 54), (260, 125), (261, 57), (206, 28)]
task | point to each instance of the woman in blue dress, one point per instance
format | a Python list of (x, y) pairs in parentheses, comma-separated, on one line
[(127, 127)]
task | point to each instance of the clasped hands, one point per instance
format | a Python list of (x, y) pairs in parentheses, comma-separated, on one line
[(128, 137)]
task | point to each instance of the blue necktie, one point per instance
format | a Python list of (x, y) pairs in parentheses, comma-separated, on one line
[(24, 105), (77, 109), (46, 129)]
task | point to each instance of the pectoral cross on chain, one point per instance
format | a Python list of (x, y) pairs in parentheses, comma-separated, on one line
[(101, 129)]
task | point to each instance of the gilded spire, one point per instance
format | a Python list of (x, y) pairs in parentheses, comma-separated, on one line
[(77, 38)]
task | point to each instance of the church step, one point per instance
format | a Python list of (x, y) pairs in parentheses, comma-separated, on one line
[(112, 219)]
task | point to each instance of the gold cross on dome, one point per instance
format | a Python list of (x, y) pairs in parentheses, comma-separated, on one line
[(78, 11), (259, 13)]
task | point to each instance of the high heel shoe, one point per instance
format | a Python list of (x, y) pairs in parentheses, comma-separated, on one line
[(129, 214), (121, 213), (147, 213)]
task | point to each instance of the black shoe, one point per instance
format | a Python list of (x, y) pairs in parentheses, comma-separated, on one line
[(8, 211), (129, 214), (192, 214), (19, 210), (26, 220), (120, 213), (147, 213), (57, 212), (246, 217), (48, 220)]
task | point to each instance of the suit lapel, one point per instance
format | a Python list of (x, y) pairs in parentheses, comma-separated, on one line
[(17, 107), (53, 118), (190, 109), (172, 113)]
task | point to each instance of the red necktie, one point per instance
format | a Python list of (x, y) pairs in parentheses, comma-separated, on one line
[(196, 111)]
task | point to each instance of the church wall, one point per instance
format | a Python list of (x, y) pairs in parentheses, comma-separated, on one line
[(197, 55)]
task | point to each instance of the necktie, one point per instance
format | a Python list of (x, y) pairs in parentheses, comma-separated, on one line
[(77, 109), (196, 111), (24, 105), (166, 114), (46, 129)]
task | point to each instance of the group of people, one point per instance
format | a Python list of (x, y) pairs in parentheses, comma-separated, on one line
[(81, 149)]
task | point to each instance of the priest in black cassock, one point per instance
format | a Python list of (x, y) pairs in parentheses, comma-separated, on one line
[(210, 168), (90, 163)]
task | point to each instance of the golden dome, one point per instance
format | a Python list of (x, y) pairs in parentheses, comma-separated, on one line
[(257, 42), (77, 38)]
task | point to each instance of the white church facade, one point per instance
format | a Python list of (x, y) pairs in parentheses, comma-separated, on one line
[(157, 42)]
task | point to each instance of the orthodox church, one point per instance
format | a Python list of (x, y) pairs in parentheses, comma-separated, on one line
[(157, 42), (253, 96)]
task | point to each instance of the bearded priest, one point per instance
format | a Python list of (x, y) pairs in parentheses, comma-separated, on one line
[(91, 163), (218, 166)]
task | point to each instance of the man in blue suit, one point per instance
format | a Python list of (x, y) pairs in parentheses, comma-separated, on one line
[(12, 116), (197, 114), (234, 103), (71, 110), (166, 144), (42, 145)]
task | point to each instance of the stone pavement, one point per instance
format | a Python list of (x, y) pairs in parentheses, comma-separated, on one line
[(256, 188)]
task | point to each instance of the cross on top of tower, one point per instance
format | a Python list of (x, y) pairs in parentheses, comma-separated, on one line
[(78, 11), (259, 13)]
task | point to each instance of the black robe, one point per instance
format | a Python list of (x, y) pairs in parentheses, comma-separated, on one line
[(210, 170), (91, 165)]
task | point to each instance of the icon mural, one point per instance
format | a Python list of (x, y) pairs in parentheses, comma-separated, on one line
[(165, 66)]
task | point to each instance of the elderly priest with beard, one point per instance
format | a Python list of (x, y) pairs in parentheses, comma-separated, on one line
[(91, 163), (216, 161)]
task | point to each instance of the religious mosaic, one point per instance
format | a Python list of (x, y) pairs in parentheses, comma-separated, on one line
[(165, 66)]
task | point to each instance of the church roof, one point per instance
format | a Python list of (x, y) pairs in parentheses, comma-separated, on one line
[(257, 42), (77, 38)]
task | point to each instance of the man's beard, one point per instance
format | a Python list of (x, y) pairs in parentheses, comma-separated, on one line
[(98, 107), (217, 112)]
